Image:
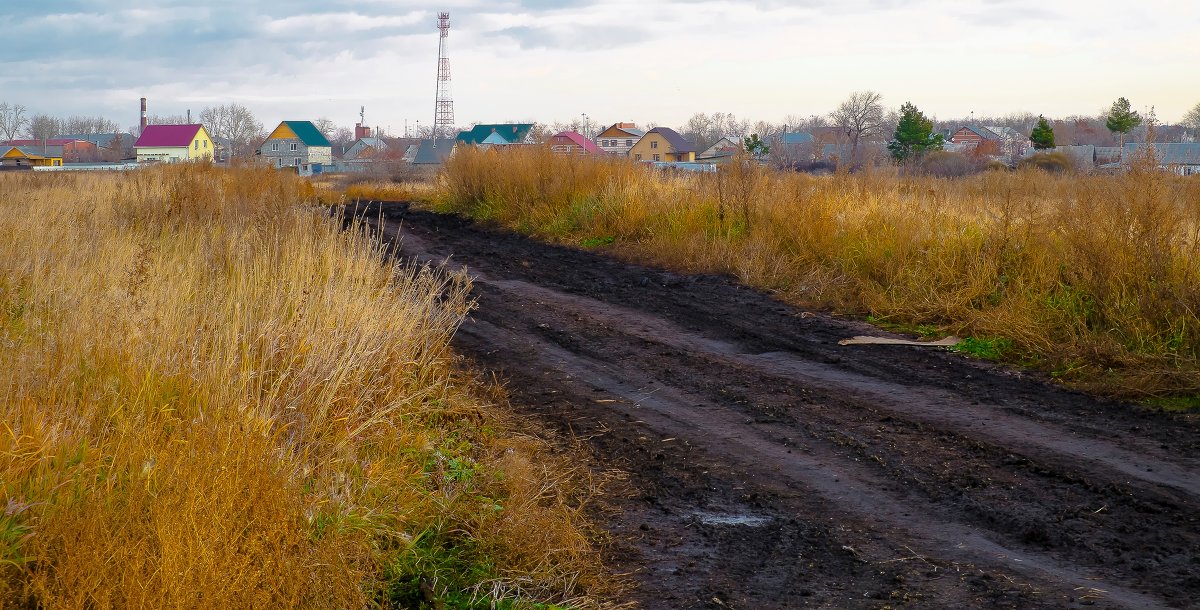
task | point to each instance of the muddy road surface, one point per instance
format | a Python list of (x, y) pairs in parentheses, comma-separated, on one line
[(771, 467)]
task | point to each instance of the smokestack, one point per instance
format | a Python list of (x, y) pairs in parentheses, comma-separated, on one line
[(189, 121), (142, 124)]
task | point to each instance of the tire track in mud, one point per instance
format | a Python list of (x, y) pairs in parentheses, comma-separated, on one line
[(776, 469)]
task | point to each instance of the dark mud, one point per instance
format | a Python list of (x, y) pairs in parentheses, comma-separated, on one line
[(773, 468)]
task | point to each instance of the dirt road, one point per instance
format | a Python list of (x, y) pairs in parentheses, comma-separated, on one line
[(774, 468)]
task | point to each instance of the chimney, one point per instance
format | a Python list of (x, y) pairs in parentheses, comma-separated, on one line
[(361, 131), (142, 125), (189, 121)]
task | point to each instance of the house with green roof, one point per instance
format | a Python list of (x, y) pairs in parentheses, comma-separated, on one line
[(299, 145), (502, 134)]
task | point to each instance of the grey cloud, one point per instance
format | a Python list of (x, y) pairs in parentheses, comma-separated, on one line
[(573, 37)]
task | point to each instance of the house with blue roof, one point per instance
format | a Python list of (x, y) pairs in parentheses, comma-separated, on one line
[(297, 144), (1182, 158), (502, 134)]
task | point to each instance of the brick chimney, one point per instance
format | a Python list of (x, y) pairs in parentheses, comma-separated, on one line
[(361, 131)]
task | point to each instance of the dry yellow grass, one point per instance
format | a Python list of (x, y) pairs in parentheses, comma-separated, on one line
[(213, 397), (1096, 279)]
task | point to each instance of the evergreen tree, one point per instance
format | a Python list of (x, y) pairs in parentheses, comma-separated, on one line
[(1042, 135), (1121, 119), (755, 146), (914, 135)]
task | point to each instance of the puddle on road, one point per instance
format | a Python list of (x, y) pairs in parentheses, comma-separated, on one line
[(727, 519)]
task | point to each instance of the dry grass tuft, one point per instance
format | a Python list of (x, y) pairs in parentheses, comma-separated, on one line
[(213, 397), (1096, 279)]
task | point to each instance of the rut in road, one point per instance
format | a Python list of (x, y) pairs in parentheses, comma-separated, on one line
[(775, 468)]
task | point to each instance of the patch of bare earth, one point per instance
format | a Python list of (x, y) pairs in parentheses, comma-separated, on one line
[(771, 467)]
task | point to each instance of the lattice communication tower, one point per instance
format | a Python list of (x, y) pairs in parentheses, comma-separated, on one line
[(443, 113)]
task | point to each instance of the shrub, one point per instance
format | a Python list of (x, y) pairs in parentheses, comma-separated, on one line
[(1095, 275), (1053, 162), (946, 164), (215, 397)]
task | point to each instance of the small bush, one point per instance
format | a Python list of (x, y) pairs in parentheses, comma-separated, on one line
[(946, 164), (1053, 162)]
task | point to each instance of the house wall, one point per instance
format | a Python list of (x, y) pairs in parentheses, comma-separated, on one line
[(616, 141), (653, 144), (279, 152), (163, 154), (965, 136)]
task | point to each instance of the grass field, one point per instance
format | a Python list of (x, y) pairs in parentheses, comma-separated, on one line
[(214, 397), (1095, 279)]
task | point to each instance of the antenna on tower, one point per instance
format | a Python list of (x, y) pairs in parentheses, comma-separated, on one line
[(443, 112)]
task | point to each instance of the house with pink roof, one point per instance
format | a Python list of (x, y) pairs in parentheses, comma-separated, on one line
[(173, 143), (573, 143)]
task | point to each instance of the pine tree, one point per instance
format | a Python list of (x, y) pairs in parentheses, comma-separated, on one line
[(755, 146), (1121, 119), (914, 135), (1042, 135)]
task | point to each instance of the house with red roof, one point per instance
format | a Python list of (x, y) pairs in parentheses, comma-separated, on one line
[(173, 143), (573, 143)]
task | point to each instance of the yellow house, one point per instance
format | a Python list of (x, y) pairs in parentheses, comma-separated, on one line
[(663, 144), (24, 156), (172, 143)]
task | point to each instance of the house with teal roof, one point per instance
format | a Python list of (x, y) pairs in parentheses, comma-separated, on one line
[(501, 134), (299, 145)]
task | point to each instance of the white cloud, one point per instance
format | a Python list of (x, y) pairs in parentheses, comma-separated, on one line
[(615, 60)]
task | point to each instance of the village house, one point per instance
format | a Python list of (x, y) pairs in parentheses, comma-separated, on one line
[(23, 157), (71, 149), (434, 151), (110, 146), (1182, 158), (991, 141), (299, 145), (619, 138), (173, 143), (502, 134), (573, 143), (722, 151), (663, 144)]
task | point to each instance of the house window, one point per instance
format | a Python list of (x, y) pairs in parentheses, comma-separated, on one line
[(637, 157), (654, 144), (196, 145), (206, 143), (274, 145), (629, 142), (656, 158), (293, 146), (296, 162), (279, 161)]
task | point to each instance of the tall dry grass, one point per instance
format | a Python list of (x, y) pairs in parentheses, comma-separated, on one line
[(1095, 278), (213, 397)]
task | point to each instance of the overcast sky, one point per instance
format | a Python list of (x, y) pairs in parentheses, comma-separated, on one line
[(622, 60)]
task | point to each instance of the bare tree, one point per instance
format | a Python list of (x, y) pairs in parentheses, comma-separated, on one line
[(170, 119), (1191, 120), (12, 119), (859, 117), (342, 137), (44, 127), (234, 126), (326, 126), (87, 125)]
